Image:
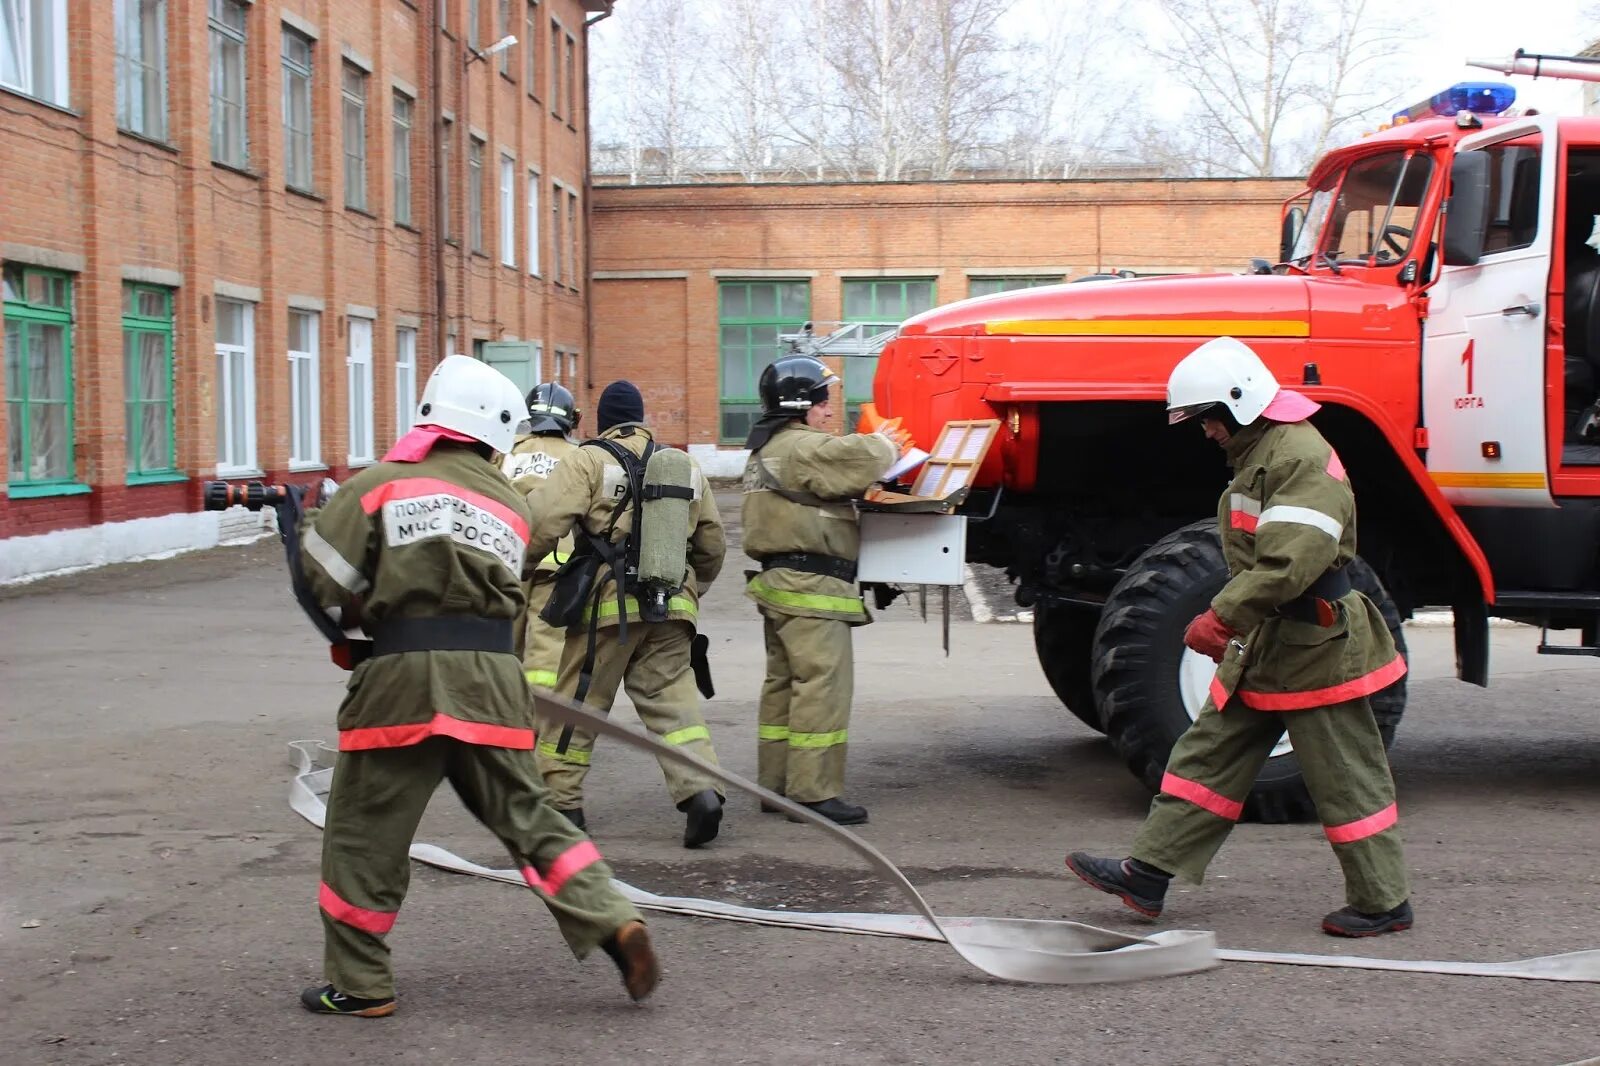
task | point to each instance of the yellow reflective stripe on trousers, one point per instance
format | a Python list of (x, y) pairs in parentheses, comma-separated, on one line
[(572, 755), (542, 678), (686, 734), (818, 740), (806, 600), (772, 732), (608, 607)]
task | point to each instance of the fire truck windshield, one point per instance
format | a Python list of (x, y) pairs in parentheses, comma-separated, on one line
[(1367, 213)]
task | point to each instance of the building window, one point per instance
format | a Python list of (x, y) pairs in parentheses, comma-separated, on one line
[(572, 81), (39, 402), (355, 137), (530, 47), (555, 68), (236, 387), (475, 193), (533, 222), (990, 286), (446, 140), (508, 211), (402, 158), (574, 266), (751, 315), (229, 142), (473, 15), (503, 30), (405, 379), (358, 370), (555, 232), (33, 48), (297, 109), (142, 67), (305, 442), (147, 379), (882, 304)]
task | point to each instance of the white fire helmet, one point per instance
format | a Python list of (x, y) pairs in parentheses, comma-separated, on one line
[(1224, 372), (473, 398)]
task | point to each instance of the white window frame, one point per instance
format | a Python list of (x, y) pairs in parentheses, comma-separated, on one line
[(308, 421), (51, 86), (533, 221), (402, 130), (474, 194), (353, 106), (358, 371), (405, 379), (297, 139), (508, 211), (555, 231), (223, 35), (227, 382), (135, 112)]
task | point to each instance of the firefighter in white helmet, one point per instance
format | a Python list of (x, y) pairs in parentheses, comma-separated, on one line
[(428, 551), (1298, 650)]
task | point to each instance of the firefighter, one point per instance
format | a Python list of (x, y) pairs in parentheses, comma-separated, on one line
[(425, 550), (610, 644), (553, 415), (1298, 650), (799, 525)]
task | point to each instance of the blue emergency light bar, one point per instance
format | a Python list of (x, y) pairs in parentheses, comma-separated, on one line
[(1479, 97)]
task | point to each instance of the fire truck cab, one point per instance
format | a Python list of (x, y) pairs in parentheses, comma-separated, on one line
[(1437, 290)]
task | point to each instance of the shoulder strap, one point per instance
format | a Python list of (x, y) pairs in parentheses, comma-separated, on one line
[(769, 481)]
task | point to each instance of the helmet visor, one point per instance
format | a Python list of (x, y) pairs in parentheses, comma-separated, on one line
[(1188, 411)]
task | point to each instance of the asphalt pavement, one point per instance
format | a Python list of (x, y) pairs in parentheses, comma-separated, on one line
[(158, 897)]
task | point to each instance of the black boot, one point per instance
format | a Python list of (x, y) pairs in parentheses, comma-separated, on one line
[(1347, 921), (705, 818), (575, 816), (1141, 886), (769, 808), (629, 947), (325, 999), (837, 811)]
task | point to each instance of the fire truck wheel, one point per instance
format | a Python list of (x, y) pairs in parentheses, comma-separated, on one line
[(1148, 684), (1064, 638)]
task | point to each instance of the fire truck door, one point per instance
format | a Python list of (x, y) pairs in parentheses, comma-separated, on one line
[(1483, 352)]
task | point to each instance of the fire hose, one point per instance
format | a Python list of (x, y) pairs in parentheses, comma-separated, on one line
[(1036, 951)]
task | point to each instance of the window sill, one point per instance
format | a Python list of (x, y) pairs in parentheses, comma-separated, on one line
[(507, 76), (147, 139), (300, 466), (356, 464), (236, 169), (63, 108), (237, 473), (479, 255), (511, 267), (306, 193), (360, 211), (407, 226), (60, 488), (162, 477), (452, 242)]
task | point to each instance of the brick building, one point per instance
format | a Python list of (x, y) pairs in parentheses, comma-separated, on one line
[(693, 284), (224, 253)]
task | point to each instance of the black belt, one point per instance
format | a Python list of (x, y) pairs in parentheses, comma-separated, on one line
[(1332, 586), (444, 633), (812, 563)]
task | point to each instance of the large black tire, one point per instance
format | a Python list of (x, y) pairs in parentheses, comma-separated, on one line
[(1064, 638), (1138, 646)]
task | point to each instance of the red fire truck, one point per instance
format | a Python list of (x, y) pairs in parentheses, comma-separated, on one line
[(1437, 290)]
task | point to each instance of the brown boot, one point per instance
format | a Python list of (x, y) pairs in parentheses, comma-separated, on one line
[(629, 947)]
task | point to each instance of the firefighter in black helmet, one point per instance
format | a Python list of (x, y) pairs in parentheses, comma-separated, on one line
[(799, 525)]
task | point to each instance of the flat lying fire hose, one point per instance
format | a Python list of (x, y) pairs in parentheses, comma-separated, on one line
[(1013, 949)]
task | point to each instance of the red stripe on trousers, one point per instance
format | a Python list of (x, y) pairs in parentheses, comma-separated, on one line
[(1306, 700), (408, 488), (1361, 828), (375, 922), (1201, 796), (581, 855), (442, 725), (1219, 695)]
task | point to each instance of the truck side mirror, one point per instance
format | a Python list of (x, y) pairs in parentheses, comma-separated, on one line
[(1289, 233), (1466, 213)]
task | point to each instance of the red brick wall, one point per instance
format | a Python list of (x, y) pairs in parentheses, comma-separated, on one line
[(76, 186), (664, 329)]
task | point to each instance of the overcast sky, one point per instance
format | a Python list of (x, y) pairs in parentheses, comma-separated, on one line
[(1495, 29)]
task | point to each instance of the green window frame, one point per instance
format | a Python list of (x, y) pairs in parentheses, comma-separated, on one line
[(988, 286), (885, 303), (40, 407), (750, 317), (147, 378)]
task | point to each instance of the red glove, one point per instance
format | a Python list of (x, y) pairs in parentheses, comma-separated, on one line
[(1208, 634)]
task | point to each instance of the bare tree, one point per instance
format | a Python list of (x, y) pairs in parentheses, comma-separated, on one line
[(1273, 80), (748, 41), (652, 81), (973, 75)]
